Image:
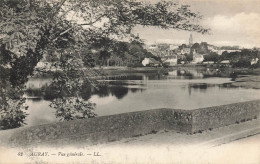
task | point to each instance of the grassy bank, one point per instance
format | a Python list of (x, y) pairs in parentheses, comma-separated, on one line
[(122, 70), (246, 78), (247, 82)]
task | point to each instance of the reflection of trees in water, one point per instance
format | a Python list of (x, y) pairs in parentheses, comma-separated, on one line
[(31, 92), (101, 91), (202, 87), (50, 93), (119, 92), (199, 86), (85, 91), (134, 90)]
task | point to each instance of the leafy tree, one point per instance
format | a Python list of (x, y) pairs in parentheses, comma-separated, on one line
[(201, 48), (212, 56), (189, 57), (104, 55), (31, 29), (224, 55), (240, 59), (242, 62)]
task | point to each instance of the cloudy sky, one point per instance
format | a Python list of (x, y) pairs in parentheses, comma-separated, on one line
[(232, 22)]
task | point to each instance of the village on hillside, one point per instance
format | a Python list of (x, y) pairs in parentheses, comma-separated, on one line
[(199, 53), (138, 54)]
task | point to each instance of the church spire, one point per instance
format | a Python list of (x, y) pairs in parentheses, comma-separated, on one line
[(190, 40)]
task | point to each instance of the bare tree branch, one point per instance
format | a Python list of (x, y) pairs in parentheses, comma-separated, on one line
[(90, 23), (84, 24), (59, 7)]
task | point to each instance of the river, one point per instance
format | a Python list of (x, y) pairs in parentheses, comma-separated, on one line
[(179, 89)]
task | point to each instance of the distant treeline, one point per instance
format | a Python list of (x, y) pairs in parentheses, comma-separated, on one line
[(241, 58), (107, 52)]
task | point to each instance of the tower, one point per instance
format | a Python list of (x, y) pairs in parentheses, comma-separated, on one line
[(190, 40)]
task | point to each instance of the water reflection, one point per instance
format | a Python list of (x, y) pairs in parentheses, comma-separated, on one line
[(119, 92), (35, 99), (202, 86), (227, 85), (34, 93), (179, 88), (119, 85), (117, 89)]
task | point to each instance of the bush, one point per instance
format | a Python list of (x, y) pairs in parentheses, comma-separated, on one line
[(13, 116), (242, 62), (50, 93), (135, 65)]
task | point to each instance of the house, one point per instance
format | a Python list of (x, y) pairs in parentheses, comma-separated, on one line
[(150, 62), (197, 58), (208, 62), (225, 63), (170, 60), (254, 61), (185, 51)]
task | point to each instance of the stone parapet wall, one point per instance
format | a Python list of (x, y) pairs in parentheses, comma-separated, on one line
[(95, 130), (219, 116), (116, 127)]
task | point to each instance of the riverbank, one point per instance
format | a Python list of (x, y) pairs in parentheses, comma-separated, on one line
[(110, 71), (120, 70), (222, 72), (247, 82), (243, 77)]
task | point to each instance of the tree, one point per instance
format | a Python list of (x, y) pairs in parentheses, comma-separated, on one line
[(242, 62), (240, 59), (212, 56), (189, 57), (31, 29), (103, 56)]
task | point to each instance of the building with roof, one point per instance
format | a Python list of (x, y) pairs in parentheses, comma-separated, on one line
[(197, 58), (150, 62), (254, 61), (170, 60)]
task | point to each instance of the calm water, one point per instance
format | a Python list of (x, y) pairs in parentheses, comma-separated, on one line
[(180, 89)]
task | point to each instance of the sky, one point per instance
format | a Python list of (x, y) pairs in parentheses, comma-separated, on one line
[(232, 22)]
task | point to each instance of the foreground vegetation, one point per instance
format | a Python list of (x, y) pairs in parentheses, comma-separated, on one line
[(33, 29)]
